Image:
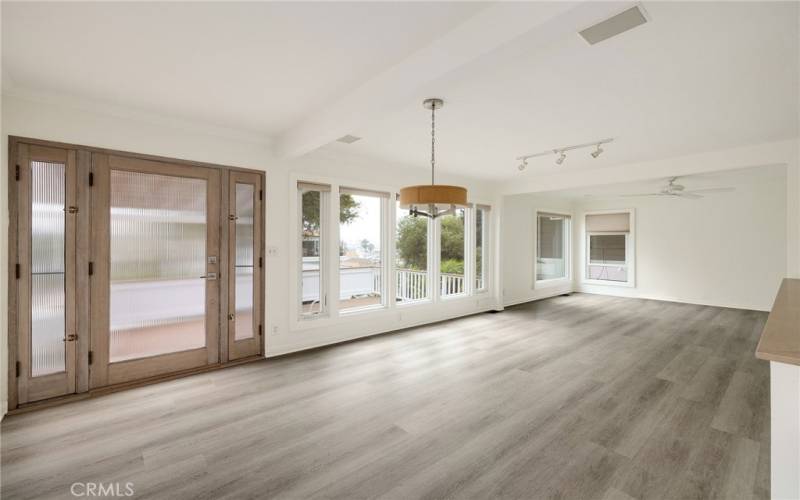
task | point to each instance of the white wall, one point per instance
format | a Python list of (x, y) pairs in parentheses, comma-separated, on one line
[(726, 249), (108, 127), (518, 244)]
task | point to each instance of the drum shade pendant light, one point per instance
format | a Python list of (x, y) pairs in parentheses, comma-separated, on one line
[(432, 200)]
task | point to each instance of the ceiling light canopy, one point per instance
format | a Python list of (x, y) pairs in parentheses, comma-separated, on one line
[(432, 200)]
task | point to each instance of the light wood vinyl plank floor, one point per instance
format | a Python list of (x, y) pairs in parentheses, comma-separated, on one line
[(575, 397)]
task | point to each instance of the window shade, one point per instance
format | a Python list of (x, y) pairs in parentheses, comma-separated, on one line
[(362, 192), (311, 186), (608, 223)]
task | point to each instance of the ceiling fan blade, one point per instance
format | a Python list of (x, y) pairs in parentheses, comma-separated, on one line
[(643, 194), (713, 190), (689, 195)]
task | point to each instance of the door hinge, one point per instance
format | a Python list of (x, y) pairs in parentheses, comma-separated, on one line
[(91, 268), (259, 330), (91, 357), (260, 262), (16, 270), (260, 194), (232, 217), (91, 178), (16, 173), (18, 368), (71, 210)]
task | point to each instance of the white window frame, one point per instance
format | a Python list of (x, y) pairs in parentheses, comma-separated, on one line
[(429, 272), (485, 245), (469, 231), (630, 250), (324, 229), (537, 283), (384, 198)]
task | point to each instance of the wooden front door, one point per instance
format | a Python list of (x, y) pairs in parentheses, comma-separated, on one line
[(155, 268)]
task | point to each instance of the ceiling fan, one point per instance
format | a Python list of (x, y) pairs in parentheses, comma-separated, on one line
[(672, 188)]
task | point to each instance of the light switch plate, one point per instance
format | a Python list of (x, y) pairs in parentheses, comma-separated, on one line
[(272, 251)]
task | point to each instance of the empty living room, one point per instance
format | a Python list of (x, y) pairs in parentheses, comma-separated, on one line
[(400, 250)]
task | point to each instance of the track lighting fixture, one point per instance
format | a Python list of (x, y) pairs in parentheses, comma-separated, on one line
[(562, 152)]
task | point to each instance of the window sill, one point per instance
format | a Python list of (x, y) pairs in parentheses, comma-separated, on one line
[(626, 284), (354, 311)]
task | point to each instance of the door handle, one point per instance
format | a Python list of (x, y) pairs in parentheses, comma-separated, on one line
[(71, 337), (209, 276)]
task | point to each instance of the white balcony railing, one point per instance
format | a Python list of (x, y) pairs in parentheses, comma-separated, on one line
[(366, 281)]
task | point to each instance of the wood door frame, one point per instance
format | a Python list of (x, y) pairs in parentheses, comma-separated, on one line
[(238, 349), (29, 388), (85, 194)]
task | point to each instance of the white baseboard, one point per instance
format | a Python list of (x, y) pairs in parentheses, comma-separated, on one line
[(627, 293), (281, 350)]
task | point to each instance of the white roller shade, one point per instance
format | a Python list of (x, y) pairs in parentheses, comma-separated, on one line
[(362, 192), (311, 186), (608, 223)]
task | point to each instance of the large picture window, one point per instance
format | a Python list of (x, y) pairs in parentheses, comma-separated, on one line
[(313, 201), (361, 262), (552, 246), (608, 248), (411, 256), (453, 244)]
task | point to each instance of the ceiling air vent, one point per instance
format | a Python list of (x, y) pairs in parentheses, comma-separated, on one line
[(348, 139), (613, 26)]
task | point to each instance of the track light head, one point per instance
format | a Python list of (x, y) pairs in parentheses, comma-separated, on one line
[(522, 166), (597, 151), (561, 157)]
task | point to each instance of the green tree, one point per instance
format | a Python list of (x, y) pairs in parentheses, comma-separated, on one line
[(453, 237), (412, 242), (348, 210), (412, 239)]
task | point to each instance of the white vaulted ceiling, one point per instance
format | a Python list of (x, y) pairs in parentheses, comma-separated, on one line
[(516, 77)]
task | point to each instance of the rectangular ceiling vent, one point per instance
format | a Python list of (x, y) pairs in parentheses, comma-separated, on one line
[(348, 139), (613, 26)]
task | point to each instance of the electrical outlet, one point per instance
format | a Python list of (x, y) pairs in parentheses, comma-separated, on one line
[(272, 251)]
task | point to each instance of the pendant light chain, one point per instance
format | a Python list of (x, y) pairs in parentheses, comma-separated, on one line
[(433, 142)]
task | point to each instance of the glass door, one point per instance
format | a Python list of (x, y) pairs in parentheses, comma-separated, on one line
[(45, 272), (245, 265), (155, 268)]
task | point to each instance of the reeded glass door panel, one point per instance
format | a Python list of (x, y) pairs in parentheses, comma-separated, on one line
[(158, 261), (243, 291), (48, 321)]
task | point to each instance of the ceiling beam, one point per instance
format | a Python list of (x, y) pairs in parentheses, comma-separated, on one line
[(486, 31)]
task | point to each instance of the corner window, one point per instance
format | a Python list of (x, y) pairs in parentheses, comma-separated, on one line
[(452, 246), (411, 257), (608, 248), (361, 250), (313, 202), (552, 246)]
